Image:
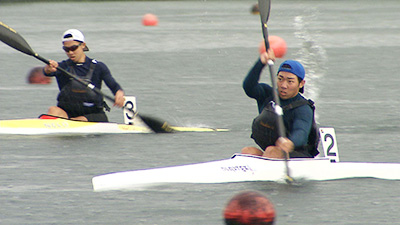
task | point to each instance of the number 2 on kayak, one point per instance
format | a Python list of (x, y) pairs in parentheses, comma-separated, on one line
[(328, 139)]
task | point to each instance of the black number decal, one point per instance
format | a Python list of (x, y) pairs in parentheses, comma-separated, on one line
[(129, 106), (331, 145)]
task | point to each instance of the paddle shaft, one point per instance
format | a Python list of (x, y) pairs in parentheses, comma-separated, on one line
[(264, 7), (83, 82)]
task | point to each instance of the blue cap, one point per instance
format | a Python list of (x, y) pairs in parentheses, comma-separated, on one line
[(294, 67)]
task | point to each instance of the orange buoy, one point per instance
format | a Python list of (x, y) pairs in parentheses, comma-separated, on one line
[(277, 44), (149, 20), (36, 76), (249, 207)]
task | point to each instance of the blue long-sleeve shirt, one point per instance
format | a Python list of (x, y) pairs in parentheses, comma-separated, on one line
[(298, 121)]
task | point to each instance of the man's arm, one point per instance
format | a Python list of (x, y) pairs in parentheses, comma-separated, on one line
[(301, 126), (113, 85), (250, 84)]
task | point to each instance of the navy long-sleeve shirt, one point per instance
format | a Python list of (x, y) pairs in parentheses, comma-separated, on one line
[(298, 121), (101, 73)]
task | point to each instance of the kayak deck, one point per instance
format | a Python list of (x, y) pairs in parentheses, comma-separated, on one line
[(47, 126)]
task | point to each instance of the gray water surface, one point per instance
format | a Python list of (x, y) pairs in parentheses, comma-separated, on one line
[(188, 71)]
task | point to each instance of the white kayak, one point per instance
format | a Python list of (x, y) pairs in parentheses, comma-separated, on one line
[(244, 168), (48, 125)]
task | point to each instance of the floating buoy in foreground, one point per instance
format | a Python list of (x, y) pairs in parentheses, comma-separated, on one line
[(277, 44), (36, 76), (149, 20), (249, 207)]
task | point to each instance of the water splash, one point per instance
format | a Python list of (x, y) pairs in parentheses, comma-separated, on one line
[(311, 54)]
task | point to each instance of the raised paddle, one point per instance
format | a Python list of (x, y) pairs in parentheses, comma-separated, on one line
[(264, 7), (10, 37)]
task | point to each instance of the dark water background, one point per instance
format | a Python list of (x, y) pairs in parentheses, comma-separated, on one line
[(188, 70)]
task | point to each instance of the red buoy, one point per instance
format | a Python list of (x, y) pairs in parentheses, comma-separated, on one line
[(149, 20), (277, 44), (249, 207), (36, 76)]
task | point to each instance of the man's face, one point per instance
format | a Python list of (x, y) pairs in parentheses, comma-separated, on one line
[(288, 85), (74, 50)]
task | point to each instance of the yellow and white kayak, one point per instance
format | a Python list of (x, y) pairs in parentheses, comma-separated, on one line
[(49, 125), (40, 126)]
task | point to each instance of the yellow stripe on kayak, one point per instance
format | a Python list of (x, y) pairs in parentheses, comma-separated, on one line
[(39, 123), (126, 127), (198, 129), (61, 124)]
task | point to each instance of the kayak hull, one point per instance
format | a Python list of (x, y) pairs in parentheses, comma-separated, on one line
[(245, 168), (64, 126), (50, 125), (57, 126)]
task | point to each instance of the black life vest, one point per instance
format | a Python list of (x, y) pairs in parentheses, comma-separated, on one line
[(265, 130), (75, 93)]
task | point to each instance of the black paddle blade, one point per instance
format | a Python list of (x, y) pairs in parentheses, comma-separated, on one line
[(10, 37), (264, 8), (156, 125)]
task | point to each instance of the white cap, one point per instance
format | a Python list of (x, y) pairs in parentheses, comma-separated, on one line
[(74, 35)]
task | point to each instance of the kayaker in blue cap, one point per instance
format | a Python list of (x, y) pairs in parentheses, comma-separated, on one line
[(301, 139)]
